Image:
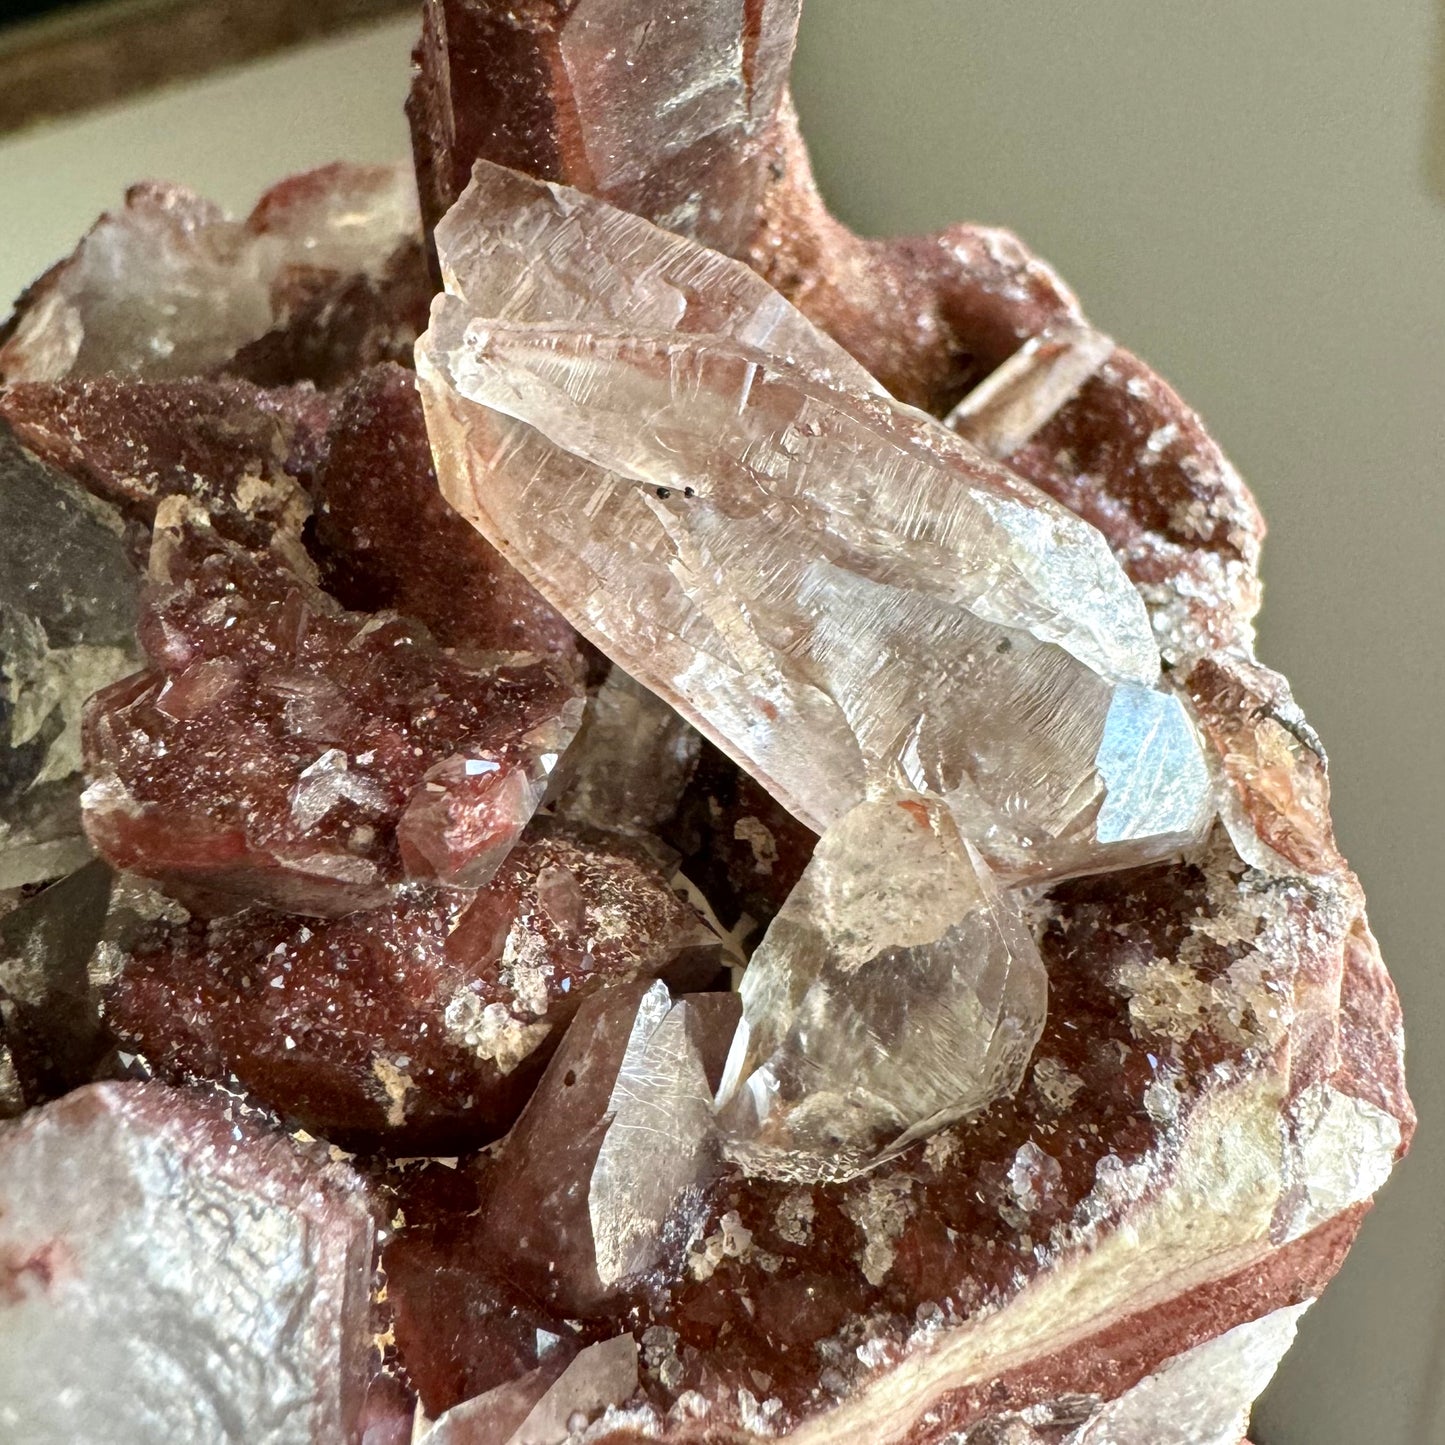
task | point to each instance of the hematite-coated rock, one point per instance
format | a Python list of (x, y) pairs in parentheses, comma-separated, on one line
[(417, 1028), (671, 116), (284, 751), (386, 539), (224, 444), (167, 1274), (324, 277)]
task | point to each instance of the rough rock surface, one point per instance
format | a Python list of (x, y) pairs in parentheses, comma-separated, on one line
[(357, 754), (245, 1314), (418, 1028)]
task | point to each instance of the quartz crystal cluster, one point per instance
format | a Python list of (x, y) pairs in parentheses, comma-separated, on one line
[(713, 864)]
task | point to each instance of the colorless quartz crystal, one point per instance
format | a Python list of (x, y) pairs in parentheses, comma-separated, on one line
[(837, 590), (896, 992)]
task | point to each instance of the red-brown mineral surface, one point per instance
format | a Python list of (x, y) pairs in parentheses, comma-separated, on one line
[(280, 749), (421, 1027), (458, 884)]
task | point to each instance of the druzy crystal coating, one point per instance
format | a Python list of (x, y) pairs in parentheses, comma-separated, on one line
[(838, 591), (359, 753)]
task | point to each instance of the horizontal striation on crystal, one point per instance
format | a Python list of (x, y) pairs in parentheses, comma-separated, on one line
[(895, 993), (834, 588)]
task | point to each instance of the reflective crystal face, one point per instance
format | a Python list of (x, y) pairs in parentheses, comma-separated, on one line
[(838, 591), (895, 993), (67, 627)]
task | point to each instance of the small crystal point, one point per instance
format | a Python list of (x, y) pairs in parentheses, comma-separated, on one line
[(836, 589), (895, 993)]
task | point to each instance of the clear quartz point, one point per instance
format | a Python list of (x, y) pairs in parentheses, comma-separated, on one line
[(840, 592), (657, 1144), (896, 992)]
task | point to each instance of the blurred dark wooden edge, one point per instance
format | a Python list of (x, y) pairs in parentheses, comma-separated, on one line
[(98, 54)]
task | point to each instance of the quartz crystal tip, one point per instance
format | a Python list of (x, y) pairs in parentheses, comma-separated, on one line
[(897, 992)]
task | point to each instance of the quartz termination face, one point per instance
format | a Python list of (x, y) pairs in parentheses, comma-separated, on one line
[(895, 993), (841, 593)]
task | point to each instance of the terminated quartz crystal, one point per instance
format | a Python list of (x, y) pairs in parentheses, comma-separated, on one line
[(282, 750), (834, 588), (617, 1134), (549, 1404), (324, 275), (669, 116), (67, 627), (895, 993), (169, 1274), (421, 1027)]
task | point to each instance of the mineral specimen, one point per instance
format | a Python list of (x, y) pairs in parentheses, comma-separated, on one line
[(902, 1227), (325, 275), (421, 1027), (357, 753), (837, 590), (885, 1002), (169, 1274), (668, 117), (224, 444), (615, 1139)]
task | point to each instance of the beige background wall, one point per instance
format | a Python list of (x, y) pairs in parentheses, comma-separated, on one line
[(1239, 190)]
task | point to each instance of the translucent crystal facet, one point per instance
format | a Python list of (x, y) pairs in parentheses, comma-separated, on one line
[(895, 993), (169, 1274), (68, 592), (324, 273), (836, 589)]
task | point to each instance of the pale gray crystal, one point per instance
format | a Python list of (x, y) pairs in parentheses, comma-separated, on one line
[(68, 595), (895, 993), (51, 975), (658, 1142), (173, 1276), (835, 588), (628, 766)]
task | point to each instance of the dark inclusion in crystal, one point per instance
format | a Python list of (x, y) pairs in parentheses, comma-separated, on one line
[(282, 750)]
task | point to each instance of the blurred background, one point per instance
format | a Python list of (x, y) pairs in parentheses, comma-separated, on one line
[(1250, 193)]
